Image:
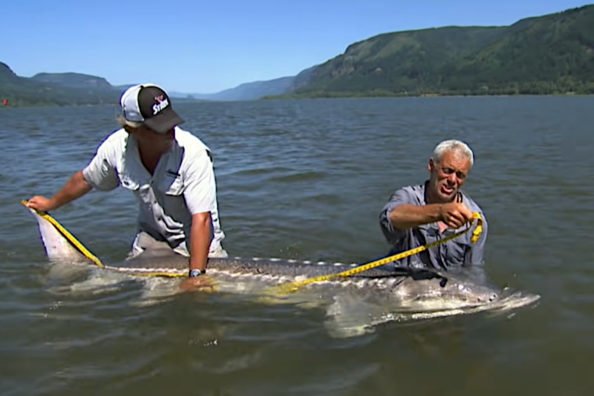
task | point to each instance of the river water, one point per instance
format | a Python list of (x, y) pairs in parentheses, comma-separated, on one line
[(305, 179)]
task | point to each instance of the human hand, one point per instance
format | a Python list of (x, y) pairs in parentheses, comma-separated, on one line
[(455, 214), (201, 283), (40, 203)]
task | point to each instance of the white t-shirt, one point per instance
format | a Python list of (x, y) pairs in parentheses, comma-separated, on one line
[(183, 184)]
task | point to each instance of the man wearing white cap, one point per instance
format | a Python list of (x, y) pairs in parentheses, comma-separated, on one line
[(168, 169)]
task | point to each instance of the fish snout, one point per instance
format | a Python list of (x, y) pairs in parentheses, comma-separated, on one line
[(491, 297), (488, 297)]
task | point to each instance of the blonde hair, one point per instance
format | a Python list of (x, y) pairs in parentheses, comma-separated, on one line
[(124, 122)]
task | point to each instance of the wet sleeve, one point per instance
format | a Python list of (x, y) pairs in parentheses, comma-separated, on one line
[(101, 172), (394, 235), (200, 185)]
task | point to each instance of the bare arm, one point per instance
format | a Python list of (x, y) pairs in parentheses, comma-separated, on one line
[(74, 188), (453, 214), (200, 237)]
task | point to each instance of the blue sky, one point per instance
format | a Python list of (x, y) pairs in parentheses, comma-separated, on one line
[(207, 46)]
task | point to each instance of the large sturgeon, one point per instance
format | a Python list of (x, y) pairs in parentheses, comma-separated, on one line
[(374, 296)]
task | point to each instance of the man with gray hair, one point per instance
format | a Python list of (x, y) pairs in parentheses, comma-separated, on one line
[(426, 213)]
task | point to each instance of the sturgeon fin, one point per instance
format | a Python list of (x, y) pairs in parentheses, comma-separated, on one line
[(350, 316)]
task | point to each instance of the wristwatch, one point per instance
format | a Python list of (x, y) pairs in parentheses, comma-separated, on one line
[(196, 272)]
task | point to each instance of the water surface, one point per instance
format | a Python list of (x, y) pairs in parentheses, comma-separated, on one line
[(305, 179)]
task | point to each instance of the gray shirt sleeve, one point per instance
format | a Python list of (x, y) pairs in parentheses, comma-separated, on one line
[(404, 195)]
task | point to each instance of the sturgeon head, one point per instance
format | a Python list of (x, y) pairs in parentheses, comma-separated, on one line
[(435, 292)]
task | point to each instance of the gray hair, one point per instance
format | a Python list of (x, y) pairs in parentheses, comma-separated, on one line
[(124, 122), (452, 145)]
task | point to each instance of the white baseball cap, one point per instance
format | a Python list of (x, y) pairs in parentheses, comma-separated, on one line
[(149, 104)]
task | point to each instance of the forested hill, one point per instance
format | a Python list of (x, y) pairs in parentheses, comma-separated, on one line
[(541, 55), (54, 89)]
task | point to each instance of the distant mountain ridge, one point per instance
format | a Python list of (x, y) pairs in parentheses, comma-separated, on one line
[(54, 89), (73, 80), (252, 90), (551, 54)]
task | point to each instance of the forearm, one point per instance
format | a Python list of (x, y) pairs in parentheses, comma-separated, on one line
[(407, 216), (200, 238), (74, 188)]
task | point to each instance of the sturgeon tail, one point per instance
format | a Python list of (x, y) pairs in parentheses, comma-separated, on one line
[(60, 245)]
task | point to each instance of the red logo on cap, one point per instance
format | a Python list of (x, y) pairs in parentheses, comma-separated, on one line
[(162, 102)]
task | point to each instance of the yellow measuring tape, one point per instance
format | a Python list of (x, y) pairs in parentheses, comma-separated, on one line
[(90, 256), (294, 286), (69, 237), (288, 287)]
